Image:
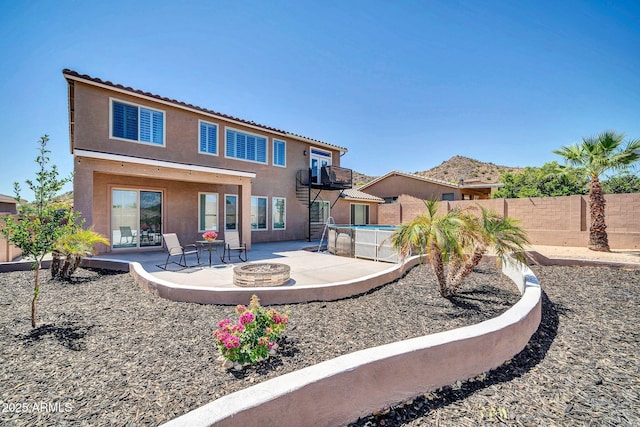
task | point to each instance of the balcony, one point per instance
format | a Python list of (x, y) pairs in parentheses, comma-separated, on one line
[(331, 178)]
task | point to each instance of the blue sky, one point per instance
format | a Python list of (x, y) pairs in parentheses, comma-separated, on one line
[(403, 85)]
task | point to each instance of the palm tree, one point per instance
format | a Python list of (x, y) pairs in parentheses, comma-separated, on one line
[(457, 241), (73, 247), (502, 234), (442, 238), (597, 155)]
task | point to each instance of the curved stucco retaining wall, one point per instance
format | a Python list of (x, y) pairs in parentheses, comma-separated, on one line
[(342, 389), (268, 295)]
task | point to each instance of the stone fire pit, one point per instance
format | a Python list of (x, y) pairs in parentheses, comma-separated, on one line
[(261, 274)]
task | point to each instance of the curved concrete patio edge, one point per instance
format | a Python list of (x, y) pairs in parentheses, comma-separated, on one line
[(340, 390), (268, 295)]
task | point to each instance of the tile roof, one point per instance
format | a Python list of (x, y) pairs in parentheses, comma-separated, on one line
[(74, 75), (7, 199), (410, 175), (354, 194)]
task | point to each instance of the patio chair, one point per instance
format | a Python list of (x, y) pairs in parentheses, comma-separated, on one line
[(174, 248), (127, 234), (232, 243)]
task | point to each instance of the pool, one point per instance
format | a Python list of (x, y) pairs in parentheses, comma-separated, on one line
[(362, 241)]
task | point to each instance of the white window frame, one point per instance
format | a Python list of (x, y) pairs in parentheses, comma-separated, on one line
[(266, 206), (274, 211), (200, 123), (215, 214), (235, 196), (321, 156), (273, 149), (138, 106), (368, 209), (266, 146), (136, 229), (328, 205)]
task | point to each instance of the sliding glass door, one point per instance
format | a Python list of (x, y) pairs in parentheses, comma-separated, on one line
[(136, 218)]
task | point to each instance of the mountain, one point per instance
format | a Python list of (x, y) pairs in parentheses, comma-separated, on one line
[(467, 169), (358, 179), (65, 198), (453, 170)]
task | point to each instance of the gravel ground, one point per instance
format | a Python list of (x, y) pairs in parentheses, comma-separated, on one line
[(108, 353)]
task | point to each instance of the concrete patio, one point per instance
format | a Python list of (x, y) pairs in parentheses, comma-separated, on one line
[(308, 268)]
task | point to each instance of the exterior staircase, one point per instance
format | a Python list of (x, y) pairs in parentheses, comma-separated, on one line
[(305, 195)]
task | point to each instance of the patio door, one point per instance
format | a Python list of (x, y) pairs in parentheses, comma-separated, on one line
[(136, 218), (319, 159)]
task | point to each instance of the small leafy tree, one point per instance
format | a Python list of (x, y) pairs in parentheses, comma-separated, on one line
[(39, 225), (622, 183), (547, 181)]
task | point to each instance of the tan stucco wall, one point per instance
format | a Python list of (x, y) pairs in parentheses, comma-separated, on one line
[(341, 211), (560, 221), (95, 178), (8, 252), (92, 109)]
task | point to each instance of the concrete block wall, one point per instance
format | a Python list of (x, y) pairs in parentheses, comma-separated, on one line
[(558, 221), (390, 214), (623, 213)]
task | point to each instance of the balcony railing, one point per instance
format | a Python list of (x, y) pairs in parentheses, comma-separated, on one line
[(331, 178)]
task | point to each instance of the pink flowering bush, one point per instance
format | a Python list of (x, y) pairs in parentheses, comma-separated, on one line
[(254, 336)]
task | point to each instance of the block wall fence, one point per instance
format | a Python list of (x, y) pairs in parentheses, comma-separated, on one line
[(554, 221)]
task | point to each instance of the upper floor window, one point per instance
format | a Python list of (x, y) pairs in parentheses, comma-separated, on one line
[(246, 146), (279, 153), (137, 123), (208, 138)]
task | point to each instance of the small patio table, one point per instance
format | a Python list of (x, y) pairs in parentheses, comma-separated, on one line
[(212, 246)]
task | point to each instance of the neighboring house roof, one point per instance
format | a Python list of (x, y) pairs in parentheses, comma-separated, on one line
[(357, 195), (476, 184), (7, 199), (71, 75), (412, 176)]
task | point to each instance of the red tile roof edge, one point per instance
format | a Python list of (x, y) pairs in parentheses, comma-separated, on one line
[(69, 72)]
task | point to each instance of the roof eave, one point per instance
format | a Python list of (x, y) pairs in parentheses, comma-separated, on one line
[(161, 163), (73, 76)]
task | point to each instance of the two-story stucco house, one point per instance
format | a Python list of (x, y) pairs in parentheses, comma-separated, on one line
[(146, 165)]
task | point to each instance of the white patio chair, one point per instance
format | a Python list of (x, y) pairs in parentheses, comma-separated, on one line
[(174, 248), (232, 243)]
